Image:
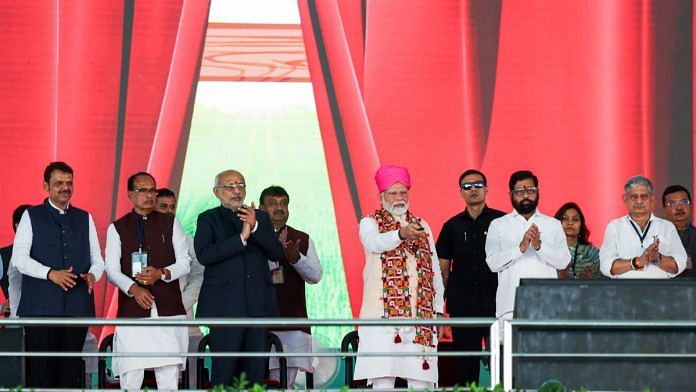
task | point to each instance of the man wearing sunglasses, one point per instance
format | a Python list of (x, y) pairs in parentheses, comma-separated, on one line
[(676, 201), (524, 243), (470, 284), (640, 245)]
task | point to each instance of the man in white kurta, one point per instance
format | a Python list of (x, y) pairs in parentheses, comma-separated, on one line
[(144, 339), (190, 284), (401, 279), (640, 245), (524, 243)]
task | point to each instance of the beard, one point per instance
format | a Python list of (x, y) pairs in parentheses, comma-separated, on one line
[(234, 205), (526, 206), (398, 211)]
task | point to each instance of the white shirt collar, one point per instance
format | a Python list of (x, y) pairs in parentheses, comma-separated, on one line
[(631, 219), (516, 214), (60, 211)]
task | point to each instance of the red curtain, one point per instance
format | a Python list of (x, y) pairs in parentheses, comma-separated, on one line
[(585, 94), (61, 72)]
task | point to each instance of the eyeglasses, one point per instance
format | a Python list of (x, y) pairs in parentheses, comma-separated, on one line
[(150, 191), (233, 187), (473, 184), (396, 193), (677, 203), (532, 190), (273, 203), (642, 197)]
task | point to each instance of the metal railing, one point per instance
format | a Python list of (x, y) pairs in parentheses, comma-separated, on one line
[(509, 325), (494, 353)]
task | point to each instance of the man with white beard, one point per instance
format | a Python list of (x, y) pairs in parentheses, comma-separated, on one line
[(401, 279)]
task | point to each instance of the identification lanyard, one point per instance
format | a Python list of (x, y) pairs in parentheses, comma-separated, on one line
[(641, 237), (140, 228)]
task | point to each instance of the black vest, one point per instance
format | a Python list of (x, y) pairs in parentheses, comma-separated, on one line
[(158, 244), (59, 241), (292, 300)]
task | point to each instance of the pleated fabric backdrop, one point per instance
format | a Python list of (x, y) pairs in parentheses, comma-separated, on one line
[(585, 94)]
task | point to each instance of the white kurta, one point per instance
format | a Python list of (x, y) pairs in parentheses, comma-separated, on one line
[(311, 271), (504, 257), (381, 339), (148, 339), (622, 242), (191, 286)]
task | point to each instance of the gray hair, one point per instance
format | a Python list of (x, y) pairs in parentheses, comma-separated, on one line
[(637, 180), (224, 173)]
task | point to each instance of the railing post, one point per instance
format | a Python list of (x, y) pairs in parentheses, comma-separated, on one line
[(507, 355), (495, 354)]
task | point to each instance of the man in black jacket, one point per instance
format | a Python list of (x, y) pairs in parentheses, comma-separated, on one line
[(234, 243), (470, 284)]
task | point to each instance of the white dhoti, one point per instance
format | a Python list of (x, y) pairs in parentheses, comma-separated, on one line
[(294, 342), (149, 340), (381, 339)]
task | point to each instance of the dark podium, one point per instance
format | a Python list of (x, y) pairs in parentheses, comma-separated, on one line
[(11, 368), (630, 299)]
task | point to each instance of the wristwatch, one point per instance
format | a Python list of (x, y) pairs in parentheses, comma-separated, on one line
[(634, 263)]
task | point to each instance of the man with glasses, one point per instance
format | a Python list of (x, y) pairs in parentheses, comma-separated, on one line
[(676, 200), (234, 242), (56, 251), (470, 284), (524, 243), (640, 245), (146, 254), (401, 280)]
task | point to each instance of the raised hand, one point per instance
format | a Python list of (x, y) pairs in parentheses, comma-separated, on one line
[(412, 231), (247, 214), (535, 236)]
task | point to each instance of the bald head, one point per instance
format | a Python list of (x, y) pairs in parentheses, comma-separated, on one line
[(230, 189), (219, 179)]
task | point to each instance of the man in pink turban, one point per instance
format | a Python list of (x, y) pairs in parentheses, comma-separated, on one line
[(402, 279)]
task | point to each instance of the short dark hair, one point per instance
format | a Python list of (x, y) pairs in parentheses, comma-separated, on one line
[(53, 166), (17, 215), (584, 233), (165, 192), (273, 191), (131, 179), (522, 175), (674, 189), (470, 172)]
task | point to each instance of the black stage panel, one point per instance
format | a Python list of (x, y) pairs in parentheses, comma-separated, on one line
[(636, 300), (11, 368)]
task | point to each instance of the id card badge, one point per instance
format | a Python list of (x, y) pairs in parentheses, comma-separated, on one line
[(138, 262), (278, 276)]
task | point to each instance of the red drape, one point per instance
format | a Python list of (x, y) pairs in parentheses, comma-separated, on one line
[(60, 73), (585, 94)]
